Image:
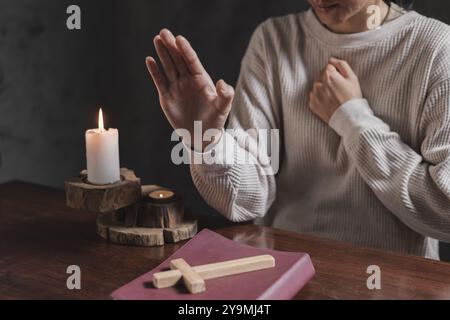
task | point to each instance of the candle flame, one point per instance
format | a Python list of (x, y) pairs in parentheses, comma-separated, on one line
[(101, 126), (161, 195)]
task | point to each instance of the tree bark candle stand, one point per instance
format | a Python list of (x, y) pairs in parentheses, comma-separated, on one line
[(130, 213)]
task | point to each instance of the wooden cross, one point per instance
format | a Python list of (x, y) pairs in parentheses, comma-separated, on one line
[(194, 277)]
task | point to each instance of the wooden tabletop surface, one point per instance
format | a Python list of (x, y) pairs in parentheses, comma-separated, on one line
[(40, 237)]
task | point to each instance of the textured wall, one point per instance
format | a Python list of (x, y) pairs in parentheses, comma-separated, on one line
[(50, 82), (53, 80)]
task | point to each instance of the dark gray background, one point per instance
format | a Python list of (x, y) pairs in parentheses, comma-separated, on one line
[(53, 80)]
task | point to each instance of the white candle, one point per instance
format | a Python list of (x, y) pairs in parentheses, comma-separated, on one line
[(102, 154)]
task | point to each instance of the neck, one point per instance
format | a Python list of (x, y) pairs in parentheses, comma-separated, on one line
[(359, 21)]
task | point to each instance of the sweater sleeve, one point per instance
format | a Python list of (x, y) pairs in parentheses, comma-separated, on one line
[(414, 186), (240, 182)]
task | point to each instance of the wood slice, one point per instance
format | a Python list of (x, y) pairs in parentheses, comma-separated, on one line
[(151, 217), (183, 231), (81, 195), (128, 216), (150, 213), (113, 232), (168, 213)]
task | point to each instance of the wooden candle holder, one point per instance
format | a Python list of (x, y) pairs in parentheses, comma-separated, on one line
[(164, 214), (115, 232), (82, 195), (127, 213)]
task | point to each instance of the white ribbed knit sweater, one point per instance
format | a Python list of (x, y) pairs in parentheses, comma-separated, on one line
[(379, 174)]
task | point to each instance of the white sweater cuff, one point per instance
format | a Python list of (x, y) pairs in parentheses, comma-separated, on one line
[(354, 117), (217, 156)]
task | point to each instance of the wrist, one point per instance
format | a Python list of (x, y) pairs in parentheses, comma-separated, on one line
[(218, 153), (204, 141), (211, 139), (353, 117)]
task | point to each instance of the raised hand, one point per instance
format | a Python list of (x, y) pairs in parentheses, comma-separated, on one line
[(186, 91)]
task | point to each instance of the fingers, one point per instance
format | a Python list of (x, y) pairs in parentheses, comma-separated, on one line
[(166, 61), (342, 66), (225, 95), (177, 56), (314, 95), (319, 92), (159, 79), (327, 73), (330, 74), (317, 89), (190, 56), (170, 43)]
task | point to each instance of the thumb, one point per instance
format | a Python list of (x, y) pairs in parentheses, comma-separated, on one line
[(225, 95)]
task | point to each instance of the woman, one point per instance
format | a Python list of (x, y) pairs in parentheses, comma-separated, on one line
[(364, 119)]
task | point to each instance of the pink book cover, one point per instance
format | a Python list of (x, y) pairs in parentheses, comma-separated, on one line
[(292, 271)]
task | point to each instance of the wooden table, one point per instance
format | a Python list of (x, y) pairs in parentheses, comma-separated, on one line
[(40, 237)]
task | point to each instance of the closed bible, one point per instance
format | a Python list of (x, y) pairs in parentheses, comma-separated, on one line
[(291, 272)]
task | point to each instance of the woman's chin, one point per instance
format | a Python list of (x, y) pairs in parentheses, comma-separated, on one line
[(330, 19)]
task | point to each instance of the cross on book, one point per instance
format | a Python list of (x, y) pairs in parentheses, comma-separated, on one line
[(209, 254), (194, 277)]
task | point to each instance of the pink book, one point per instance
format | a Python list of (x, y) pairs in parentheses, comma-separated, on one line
[(292, 271)]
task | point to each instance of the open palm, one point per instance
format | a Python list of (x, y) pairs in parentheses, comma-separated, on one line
[(186, 91)]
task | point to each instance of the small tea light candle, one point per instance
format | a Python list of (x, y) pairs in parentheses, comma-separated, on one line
[(102, 154), (161, 195)]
